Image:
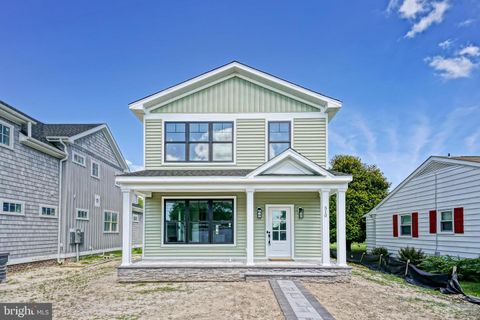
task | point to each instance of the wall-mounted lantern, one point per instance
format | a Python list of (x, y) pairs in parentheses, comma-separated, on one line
[(300, 213), (259, 213)]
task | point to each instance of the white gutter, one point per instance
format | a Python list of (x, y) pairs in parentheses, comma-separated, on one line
[(60, 182)]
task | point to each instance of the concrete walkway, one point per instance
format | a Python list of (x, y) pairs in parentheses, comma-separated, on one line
[(297, 302)]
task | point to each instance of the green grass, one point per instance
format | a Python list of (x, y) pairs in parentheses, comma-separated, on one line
[(356, 247), (471, 288)]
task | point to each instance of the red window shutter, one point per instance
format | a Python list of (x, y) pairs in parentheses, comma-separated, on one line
[(458, 220), (395, 225), (415, 224), (433, 221)]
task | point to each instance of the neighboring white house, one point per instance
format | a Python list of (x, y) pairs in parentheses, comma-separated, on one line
[(436, 209)]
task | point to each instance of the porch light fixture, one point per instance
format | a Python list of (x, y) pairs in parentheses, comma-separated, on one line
[(300, 213), (259, 213)]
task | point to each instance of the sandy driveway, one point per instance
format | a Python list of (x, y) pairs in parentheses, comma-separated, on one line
[(92, 293)]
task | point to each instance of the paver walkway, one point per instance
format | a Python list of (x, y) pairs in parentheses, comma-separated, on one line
[(297, 302)]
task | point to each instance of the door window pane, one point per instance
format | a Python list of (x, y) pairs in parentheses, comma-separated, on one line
[(198, 152), (283, 235), (175, 152)]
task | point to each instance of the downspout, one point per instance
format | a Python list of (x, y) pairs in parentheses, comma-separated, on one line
[(60, 182)]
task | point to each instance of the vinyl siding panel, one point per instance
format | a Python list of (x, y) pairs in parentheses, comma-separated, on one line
[(310, 139), (235, 95), (250, 143), (457, 186), (307, 231), (137, 231), (153, 143)]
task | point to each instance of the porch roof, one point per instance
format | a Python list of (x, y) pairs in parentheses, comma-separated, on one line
[(202, 173)]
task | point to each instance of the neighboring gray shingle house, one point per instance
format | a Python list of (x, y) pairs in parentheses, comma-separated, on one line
[(54, 179)]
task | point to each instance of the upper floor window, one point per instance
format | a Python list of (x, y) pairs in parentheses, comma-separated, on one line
[(12, 207), (6, 135), (79, 159), (110, 221), (199, 142), (95, 170), (48, 211), (279, 137)]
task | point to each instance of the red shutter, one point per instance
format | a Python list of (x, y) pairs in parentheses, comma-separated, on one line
[(415, 224), (458, 220), (433, 221), (395, 225)]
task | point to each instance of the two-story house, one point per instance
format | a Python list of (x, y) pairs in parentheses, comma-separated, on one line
[(56, 179), (235, 181)]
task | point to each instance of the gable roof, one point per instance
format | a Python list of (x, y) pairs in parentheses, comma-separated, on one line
[(433, 163), (234, 68)]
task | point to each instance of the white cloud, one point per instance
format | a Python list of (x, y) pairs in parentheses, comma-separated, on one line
[(446, 44), (470, 50), (473, 142), (466, 23), (452, 68), (410, 8), (434, 16), (392, 5), (134, 167)]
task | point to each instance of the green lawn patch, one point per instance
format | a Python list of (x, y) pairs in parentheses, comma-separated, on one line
[(356, 247), (471, 288)]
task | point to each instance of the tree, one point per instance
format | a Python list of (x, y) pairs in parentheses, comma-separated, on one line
[(368, 187)]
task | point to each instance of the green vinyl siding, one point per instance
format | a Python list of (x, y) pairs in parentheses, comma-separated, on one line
[(250, 142), (310, 139), (153, 143), (235, 95), (153, 216), (307, 231), (308, 237)]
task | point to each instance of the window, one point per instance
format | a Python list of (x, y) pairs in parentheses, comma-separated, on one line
[(48, 211), (6, 135), (13, 207), (95, 170), (110, 221), (79, 159), (406, 225), (446, 221), (199, 221), (278, 138), (82, 214), (199, 142), (136, 218)]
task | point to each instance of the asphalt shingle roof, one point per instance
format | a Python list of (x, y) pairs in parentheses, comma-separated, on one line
[(188, 173)]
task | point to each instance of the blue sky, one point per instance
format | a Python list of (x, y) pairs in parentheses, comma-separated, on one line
[(407, 71)]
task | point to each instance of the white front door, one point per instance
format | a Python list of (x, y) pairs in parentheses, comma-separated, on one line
[(279, 240)]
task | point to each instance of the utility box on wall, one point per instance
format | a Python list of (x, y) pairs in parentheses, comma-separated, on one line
[(76, 236)]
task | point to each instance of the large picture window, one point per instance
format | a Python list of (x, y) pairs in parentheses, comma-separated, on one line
[(199, 141), (278, 138), (199, 221)]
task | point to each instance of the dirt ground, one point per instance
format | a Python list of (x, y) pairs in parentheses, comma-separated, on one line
[(92, 292)]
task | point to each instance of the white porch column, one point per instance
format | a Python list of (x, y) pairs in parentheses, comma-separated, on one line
[(127, 227), (250, 232), (341, 232), (324, 207)]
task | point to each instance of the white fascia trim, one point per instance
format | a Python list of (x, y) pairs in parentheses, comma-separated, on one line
[(205, 116), (455, 161), (12, 115), (42, 147), (244, 70), (290, 153), (55, 256)]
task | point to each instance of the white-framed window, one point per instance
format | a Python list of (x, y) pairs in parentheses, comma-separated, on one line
[(110, 221), (82, 214), (79, 159), (406, 225), (12, 207), (97, 201), (279, 137), (6, 135), (95, 170), (48, 211), (136, 217), (446, 220)]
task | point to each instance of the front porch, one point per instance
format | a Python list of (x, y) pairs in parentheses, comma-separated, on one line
[(224, 270)]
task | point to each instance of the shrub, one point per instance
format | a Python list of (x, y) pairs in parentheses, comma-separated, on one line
[(380, 251), (467, 269), (410, 253)]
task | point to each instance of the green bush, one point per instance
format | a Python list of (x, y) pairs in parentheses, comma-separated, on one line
[(380, 251), (467, 269), (410, 253)]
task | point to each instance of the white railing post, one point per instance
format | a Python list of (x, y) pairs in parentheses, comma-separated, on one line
[(127, 227), (250, 231), (324, 207), (341, 229)]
